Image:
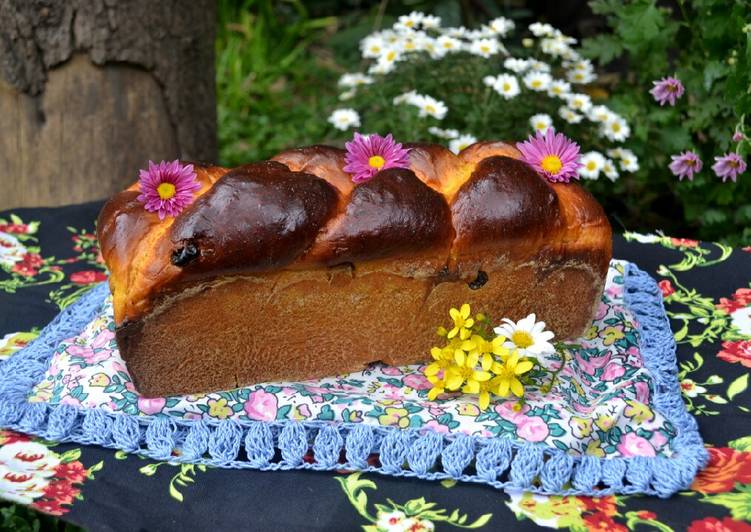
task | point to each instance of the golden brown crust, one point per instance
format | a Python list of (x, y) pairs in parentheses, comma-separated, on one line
[(317, 250)]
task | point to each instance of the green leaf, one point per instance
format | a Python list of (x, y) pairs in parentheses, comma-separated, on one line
[(739, 385), (93, 469), (603, 48), (148, 469), (741, 444), (70, 456)]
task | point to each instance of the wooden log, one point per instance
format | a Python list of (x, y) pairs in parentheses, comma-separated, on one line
[(90, 90)]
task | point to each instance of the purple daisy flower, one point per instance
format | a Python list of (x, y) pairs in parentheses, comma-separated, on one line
[(730, 165), (667, 90), (552, 155), (738, 136), (685, 165), (167, 188), (368, 155)]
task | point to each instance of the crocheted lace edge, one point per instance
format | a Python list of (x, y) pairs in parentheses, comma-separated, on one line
[(281, 445)]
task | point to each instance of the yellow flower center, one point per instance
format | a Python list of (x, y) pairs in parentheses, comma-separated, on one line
[(429, 108), (484, 48), (536, 83), (165, 190), (591, 165), (391, 56), (376, 161), (506, 87), (522, 338), (616, 127), (553, 165)]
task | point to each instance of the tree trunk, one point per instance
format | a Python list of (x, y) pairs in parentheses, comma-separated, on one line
[(90, 90)]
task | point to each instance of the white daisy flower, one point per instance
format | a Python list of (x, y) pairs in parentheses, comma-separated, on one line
[(516, 65), (626, 159), (448, 43), (539, 66), (348, 94), (579, 102), (610, 171), (599, 113), (343, 119), (431, 22), (386, 61), (528, 43), (616, 129), (559, 89), (443, 133), (484, 47), (372, 46), (461, 142), (458, 32), (409, 22), (354, 79), (527, 335), (506, 85), (382, 67), (592, 163), (571, 55), (501, 26), (580, 76), (539, 29), (429, 106), (538, 81), (406, 97), (554, 47), (541, 122), (582, 65), (569, 115)]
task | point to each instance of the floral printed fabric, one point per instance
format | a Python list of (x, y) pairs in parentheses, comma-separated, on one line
[(599, 405)]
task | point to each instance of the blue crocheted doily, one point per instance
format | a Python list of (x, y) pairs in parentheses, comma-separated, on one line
[(497, 461)]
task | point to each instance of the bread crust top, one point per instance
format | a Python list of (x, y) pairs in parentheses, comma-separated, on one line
[(446, 216)]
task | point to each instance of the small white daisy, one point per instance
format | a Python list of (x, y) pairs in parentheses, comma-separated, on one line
[(501, 26), (538, 81), (443, 133), (540, 122), (580, 77), (569, 115), (484, 47), (528, 336), (554, 47), (458, 144), (610, 171), (616, 129), (539, 66), (431, 22), (348, 94), (599, 113), (592, 163), (448, 43), (354, 79), (409, 22), (405, 97), (372, 46), (343, 119), (516, 65), (429, 106), (626, 159), (579, 102), (539, 29), (506, 85), (559, 89)]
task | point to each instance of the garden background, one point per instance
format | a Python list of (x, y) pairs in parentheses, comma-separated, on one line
[(278, 64)]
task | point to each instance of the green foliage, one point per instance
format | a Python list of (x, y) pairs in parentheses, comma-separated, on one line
[(707, 45), (271, 86), (18, 518)]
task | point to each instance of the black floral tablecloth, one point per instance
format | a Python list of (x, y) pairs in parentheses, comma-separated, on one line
[(49, 257)]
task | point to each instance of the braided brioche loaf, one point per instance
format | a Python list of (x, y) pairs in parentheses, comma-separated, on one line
[(286, 270)]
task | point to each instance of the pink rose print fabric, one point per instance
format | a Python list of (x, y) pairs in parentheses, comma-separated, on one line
[(599, 405)]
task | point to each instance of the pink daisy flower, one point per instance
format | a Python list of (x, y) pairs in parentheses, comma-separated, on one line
[(738, 136), (552, 155), (685, 165), (667, 90), (368, 155), (167, 188), (729, 165)]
